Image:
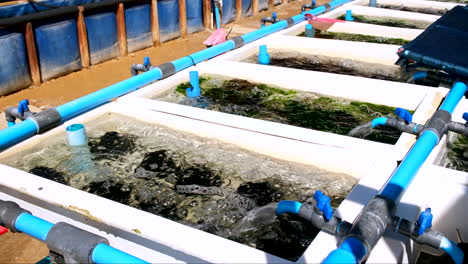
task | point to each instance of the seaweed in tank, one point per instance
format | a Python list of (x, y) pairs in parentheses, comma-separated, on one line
[(358, 37), (301, 109), (389, 22), (457, 154)]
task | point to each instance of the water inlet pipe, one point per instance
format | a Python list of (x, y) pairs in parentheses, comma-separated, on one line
[(146, 66), (29, 128), (76, 135), (195, 90), (374, 219), (309, 31), (21, 112), (349, 15), (61, 236), (309, 6), (263, 56), (273, 19), (373, 3)]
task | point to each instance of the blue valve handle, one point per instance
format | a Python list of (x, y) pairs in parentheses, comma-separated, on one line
[(146, 61), (404, 114), (424, 221), (273, 15), (323, 204), (465, 116), (23, 106)]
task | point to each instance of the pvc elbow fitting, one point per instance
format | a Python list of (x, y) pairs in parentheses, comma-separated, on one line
[(263, 56)]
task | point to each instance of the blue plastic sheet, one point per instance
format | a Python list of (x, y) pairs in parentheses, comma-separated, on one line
[(29, 7), (262, 5), (168, 15), (246, 7), (14, 70), (57, 48), (194, 15), (102, 36), (229, 11), (138, 26)]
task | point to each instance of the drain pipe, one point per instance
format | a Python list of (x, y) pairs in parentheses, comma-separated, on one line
[(21, 112), (309, 6), (146, 66), (309, 31), (52, 117), (195, 90), (374, 219), (73, 244), (263, 56), (273, 19), (349, 15), (430, 75), (76, 135)]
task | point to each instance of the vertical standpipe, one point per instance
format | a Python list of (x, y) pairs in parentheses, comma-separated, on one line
[(349, 15), (195, 90), (76, 135), (263, 56), (309, 31), (372, 3)]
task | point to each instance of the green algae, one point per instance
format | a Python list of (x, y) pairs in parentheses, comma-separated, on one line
[(302, 109), (422, 10), (457, 154), (358, 37), (181, 88), (385, 22)]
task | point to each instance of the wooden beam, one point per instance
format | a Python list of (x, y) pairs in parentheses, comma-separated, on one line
[(155, 23), (182, 17), (254, 7), (32, 54), (122, 34), (83, 38), (271, 4), (238, 9), (207, 15)]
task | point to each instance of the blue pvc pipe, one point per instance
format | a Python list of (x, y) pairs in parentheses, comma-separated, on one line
[(379, 121), (11, 123), (419, 75), (292, 207), (309, 31), (404, 174), (28, 128), (454, 96), (352, 250), (372, 3), (33, 226), (349, 15), (263, 56), (218, 20), (453, 250), (76, 135), (193, 91), (103, 253)]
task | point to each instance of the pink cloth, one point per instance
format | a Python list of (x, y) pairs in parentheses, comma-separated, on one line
[(312, 18), (219, 36)]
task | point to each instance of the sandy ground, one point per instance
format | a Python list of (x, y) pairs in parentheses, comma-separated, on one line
[(19, 248)]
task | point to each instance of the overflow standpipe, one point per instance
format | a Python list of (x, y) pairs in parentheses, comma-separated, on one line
[(72, 244), (76, 135), (21, 112), (195, 90), (263, 56), (376, 216), (372, 3), (309, 6), (309, 31), (273, 19), (349, 15)]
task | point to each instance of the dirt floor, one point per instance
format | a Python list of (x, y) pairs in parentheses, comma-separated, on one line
[(18, 248)]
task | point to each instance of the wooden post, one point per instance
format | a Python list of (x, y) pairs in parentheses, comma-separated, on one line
[(207, 22), (254, 7), (32, 55), (183, 17), (238, 9), (155, 23), (271, 4), (83, 38), (122, 34)]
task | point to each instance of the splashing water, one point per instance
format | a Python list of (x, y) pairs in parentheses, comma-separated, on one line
[(361, 131)]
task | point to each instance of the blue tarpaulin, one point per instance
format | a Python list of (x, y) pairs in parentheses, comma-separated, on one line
[(168, 14), (138, 27), (102, 36), (194, 10)]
